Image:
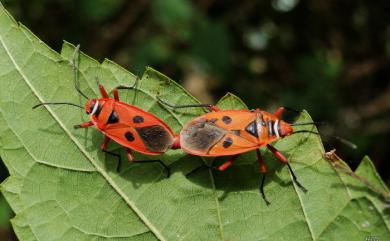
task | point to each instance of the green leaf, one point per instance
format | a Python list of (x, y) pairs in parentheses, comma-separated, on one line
[(62, 187), (357, 220), (230, 101), (367, 171)]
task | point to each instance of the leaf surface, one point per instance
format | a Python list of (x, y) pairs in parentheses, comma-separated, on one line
[(62, 187)]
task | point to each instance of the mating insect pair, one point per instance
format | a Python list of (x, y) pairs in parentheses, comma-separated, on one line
[(217, 133)]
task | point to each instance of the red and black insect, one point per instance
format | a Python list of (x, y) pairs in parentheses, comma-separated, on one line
[(129, 126), (233, 132)]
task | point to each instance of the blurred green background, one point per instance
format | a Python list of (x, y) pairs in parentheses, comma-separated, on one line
[(329, 57)]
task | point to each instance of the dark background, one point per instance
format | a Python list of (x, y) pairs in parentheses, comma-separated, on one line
[(329, 57)]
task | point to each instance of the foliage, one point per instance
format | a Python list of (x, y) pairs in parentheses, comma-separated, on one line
[(328, 57), (62, 187)]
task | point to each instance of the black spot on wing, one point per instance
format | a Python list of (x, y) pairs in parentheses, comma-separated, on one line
[(113, 118), (251, 128), (156, 138), (227, 119), (227, 142), (129, 136), (138, 119)]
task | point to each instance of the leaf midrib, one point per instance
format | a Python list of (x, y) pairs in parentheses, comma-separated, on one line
[(307, 220), (85, 153), (217, 205)]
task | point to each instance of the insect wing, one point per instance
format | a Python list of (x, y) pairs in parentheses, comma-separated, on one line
[(231, 144), (139, 130), (231, 119), (219, 133)]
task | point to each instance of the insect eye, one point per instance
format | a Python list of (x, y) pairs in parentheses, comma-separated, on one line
[(89, 107)]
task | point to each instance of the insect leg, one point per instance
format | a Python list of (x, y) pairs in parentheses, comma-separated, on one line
[(83, 125), (279, 112), (262, 190), (221, 168), (264, 170), (116, 95), (284, 160), (228, 163), (262, 166), (157, 161), (117, 156), (129, 153), (277, 154), (131, 159), (296, 180), (103, 91), (208, 106), (121, 87), (103, 147), (134, 86)]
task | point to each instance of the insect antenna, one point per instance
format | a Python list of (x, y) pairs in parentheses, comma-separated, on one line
[(340, 139), (182, 106), (75, 63), (307, 123), (57, 103)]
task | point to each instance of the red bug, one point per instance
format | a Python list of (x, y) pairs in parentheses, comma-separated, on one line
[(233, 132), (129, 126)]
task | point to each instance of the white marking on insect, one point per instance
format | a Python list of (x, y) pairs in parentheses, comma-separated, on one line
[(276, 128), (95, 107), (259, 123)]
